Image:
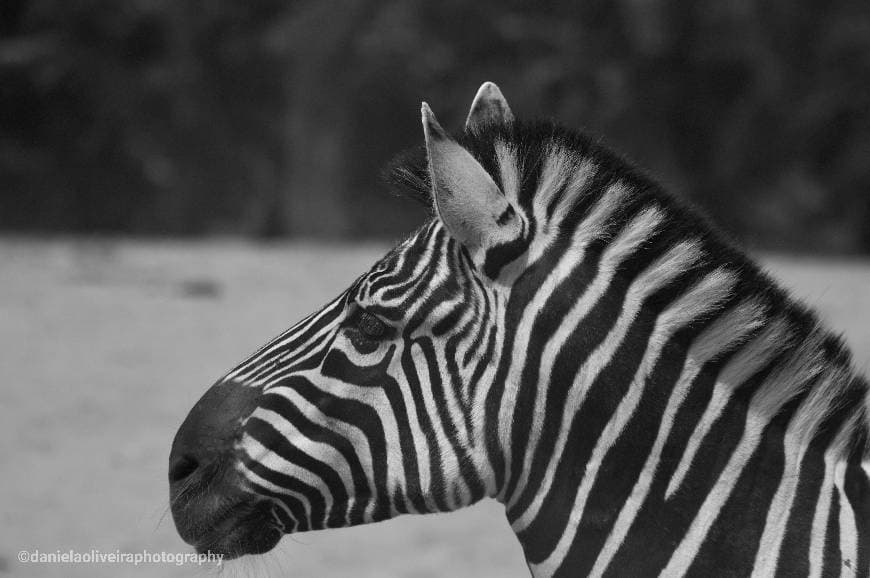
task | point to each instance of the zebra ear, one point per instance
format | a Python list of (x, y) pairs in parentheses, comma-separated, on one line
[(489, 107), (469, 203)]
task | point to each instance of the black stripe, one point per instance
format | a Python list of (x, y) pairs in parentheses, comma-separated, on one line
[(833, 565), (362, 492), (660, 524), (502, 255), (412, 255), (338, 366), (522, 293), (360, 416), (621, 468), (401, 285), (794, 559), (299, 520), (506, 216), (732, 543), (857, 490), (271, 438), (590, 332), (602, 397), (466, 465), (436, 470)]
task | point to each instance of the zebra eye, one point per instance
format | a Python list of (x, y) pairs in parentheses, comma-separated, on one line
[(371, 326)]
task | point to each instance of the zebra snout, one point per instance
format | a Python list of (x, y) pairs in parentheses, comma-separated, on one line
[(210, 508), (205, 440)]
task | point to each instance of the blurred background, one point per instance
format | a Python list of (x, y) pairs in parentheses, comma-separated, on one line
[(180, 180), (201, 117)]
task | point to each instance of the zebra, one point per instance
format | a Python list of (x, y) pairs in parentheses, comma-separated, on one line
[(569, 339)]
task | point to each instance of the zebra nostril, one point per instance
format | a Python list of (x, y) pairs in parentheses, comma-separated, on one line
[(181, 468)]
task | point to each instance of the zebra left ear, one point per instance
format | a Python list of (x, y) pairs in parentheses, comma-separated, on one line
[(469, 203)]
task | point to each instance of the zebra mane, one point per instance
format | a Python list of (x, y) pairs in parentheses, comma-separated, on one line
[(804, 344), (407, 176)]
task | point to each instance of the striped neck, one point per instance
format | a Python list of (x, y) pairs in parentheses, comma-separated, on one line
[(661, 394), (658, 403)]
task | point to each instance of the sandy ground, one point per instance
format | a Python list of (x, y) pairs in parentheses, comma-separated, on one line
[(105, 346)]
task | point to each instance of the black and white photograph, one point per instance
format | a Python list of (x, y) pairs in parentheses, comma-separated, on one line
[(396, 288)]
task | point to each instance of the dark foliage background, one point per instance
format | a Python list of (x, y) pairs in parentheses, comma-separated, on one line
[(269, 117)]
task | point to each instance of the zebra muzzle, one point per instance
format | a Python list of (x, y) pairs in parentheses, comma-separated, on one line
[(210, 506)]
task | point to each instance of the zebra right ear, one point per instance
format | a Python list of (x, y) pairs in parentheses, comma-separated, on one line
[(468, 202), (489, 107)]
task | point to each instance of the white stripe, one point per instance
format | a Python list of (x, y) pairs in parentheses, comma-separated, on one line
[(423, 262), (820, 519), (685, 553), (714, 288), (767, 556), (355, 437), (790, 377), (731, 328), (256, 479), (255, 361), (611, 259), (377, 400), (823, 506), (591, 229), (269, 459), (507, 163), (741, 367), (801, 430), (560, 167), (280, 369), (642, 287), (581, 174), (449, 462), (848, 528), (478, 405)]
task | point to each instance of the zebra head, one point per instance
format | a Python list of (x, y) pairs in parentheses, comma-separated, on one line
[(374, 405), (566, 337)]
